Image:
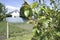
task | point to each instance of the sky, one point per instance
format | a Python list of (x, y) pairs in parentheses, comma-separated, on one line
[(13, 4), (16, 4)]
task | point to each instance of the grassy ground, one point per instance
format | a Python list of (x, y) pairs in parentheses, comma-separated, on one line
[(2, 27), (16, 31), (2, 30)]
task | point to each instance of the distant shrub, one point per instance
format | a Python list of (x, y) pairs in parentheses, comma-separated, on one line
[(2, 17)]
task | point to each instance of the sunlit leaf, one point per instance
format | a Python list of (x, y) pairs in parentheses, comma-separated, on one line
[(26, 13), (34, 5)]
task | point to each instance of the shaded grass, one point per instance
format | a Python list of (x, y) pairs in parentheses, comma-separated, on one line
[(2, 28)]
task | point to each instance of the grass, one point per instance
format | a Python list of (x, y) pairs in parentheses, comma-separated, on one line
[(2, 30), (2, 27), (17, 31)]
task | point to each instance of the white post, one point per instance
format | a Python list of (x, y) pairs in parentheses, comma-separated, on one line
[(7, 31)]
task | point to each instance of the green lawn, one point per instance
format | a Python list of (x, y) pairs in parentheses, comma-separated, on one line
[(2, 28), (16, 31)]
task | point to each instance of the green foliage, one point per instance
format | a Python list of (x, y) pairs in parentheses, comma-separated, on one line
[(1, 7), (26, 10), (47, 23), (2, 17), (2, 11), (34, 5), (52, 1)]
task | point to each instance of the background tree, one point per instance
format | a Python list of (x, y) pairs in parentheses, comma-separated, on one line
[(2, 11)]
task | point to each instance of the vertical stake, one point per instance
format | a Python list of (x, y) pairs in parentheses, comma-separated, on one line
[(7, 31)]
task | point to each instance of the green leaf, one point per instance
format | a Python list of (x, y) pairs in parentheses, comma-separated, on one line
[(52, 1), (34, 5), (26, 10), (58, 34), (26, 13)]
